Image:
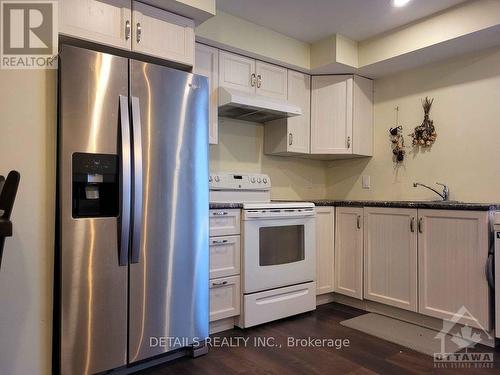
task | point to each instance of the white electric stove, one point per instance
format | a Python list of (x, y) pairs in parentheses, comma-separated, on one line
[(278, 248)]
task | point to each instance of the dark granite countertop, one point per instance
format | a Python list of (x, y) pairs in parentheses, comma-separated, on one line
[(451, 205)]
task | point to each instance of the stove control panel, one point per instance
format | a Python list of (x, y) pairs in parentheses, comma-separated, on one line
[(235, 181)]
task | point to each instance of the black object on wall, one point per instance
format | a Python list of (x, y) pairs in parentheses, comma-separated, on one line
[(7, 197)]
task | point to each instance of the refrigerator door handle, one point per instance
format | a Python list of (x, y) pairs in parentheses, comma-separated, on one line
[(125, 183), (137, 219)]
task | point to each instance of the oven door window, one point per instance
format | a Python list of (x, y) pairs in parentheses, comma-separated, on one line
[(281, 245)]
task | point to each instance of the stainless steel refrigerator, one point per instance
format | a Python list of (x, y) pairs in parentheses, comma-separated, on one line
[(132, 241)]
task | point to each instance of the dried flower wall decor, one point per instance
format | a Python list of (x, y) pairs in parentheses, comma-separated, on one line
[(397, 140), (425, 135)]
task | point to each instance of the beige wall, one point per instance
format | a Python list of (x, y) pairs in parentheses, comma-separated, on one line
[(27, 144), (466, 113), (240, 149)]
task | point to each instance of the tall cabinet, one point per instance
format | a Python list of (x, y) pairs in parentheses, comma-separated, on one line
[(207, 64)]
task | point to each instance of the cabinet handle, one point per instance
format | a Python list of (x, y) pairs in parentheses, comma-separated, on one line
[(252, 79), (358, 221), (348, 142), (220, 283), (219, 213), (139, 32), (127, 30), (421, 225), (259, 81), (412, 225), (218, 242), (290, 139)]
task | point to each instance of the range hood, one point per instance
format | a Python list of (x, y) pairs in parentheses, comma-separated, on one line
[(256, 108)]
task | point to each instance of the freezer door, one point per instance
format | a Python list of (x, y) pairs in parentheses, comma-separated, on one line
[(169, 256), (93, 285)]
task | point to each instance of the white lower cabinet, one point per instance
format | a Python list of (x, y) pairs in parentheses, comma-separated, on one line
[(390, 256), (348, 275), (452, 257), (224, 297), (224, 256), (325, 229)]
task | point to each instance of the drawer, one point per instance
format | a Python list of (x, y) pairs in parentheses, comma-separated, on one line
[(224, 222), (279, 303), (224, 256), (224, 297)]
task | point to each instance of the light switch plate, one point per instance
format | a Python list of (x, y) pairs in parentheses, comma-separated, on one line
[(365, 182)]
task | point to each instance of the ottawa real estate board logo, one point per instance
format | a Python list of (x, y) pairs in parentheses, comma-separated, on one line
[(28, 34)]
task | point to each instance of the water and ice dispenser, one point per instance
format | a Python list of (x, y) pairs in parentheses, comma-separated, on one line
[(96, 190)]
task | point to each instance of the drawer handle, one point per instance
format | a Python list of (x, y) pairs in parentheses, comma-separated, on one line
[(218, 242), (220, 213), (220, 283)]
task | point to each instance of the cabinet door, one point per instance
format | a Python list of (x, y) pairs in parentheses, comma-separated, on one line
[(452, 256), (348, 261), (207, 64), (331, 114), (159, 33), (272, 80), (105, 21), (224, 256), (236, 72), (390, 256), (224, 297), (299, 127), (325, 230)]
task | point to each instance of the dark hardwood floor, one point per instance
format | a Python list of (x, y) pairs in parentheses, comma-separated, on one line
[(365, 355)]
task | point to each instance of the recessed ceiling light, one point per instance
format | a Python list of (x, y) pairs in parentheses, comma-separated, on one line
[(399, 3)]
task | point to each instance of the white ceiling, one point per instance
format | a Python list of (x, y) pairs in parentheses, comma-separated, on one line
[(312, 20)]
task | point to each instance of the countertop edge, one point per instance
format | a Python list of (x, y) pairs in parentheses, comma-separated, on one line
[(390, 204)]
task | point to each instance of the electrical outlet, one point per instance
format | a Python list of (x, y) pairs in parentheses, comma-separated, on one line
[(365, 182)]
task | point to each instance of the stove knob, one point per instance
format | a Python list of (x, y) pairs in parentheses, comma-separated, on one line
[(217, 179), (259, 180), (210, 179), (265, 180), (253, 180)]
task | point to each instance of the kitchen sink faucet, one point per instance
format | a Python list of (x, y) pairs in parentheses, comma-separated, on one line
[(445, 195)]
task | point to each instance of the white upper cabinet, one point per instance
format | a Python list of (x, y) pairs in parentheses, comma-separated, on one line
[(271, 80), (254, 77), (162, 34), (390, 256), (342, 115), (292, 135), (207, 64), (237, 72), (106, 22)]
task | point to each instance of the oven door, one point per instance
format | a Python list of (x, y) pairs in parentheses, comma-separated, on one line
[(278, 250)]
